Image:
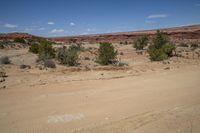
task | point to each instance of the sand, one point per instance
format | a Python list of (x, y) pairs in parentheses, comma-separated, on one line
[(166, 101)]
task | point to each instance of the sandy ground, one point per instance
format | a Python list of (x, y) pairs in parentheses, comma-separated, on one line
[(166, 101), (144, 97)]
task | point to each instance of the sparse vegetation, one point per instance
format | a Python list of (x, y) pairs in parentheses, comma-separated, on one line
[(1, 46), (87, 58), (106, 53), (161, 48), (46, 50), (68, 56), (19, 40), (24, 66), (5, 60), (49, 63), (141, 42), (194, 45), (183, 44), (34, 48)]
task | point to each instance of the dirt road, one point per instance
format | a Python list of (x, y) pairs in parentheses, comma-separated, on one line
[(162, 101)]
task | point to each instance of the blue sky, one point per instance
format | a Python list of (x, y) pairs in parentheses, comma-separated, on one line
[(79, 17)]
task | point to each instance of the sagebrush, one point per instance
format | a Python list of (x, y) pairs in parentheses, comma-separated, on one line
[(68, 56), (141, 42)]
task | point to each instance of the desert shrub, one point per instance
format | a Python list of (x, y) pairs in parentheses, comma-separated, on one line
[(194, 45), (1, 46), (19, 40), (5, 60), (168, 49), (183, 45), (49, 63), (24, 66), (161, 48), (80, 46), (106, 53), (34, 48), (157, 55), (77, 47), (87, 58), (46, 50), (68, 56), (125, 43), (160, 40), (141, 42)]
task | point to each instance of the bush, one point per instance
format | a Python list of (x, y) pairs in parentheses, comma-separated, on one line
[(68, 56), (160, 40), (141, 42), (19, 40), (5, 60), (24, 66), (106, 53), (77, 47), (157, 55), (87, 58), (194, 45), (34, 48), (161, 48), (46, 50), (168, 49), (183, 45), (2, 44), (49, 64)]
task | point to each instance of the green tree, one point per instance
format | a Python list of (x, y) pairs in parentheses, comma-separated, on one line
[(161, 48), (106, 53), (160, 40)]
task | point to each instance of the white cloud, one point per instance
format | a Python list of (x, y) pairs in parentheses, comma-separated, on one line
[(10, 26), (51, 23), (157, 16), (57, 31), (72, 24)]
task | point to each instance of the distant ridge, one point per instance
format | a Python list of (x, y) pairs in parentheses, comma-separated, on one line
[(183, 32), (15, 35)]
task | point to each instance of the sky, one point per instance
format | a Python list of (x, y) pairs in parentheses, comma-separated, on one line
[(81, 17)]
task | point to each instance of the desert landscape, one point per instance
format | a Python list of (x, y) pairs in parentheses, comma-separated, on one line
[(133, 94)]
